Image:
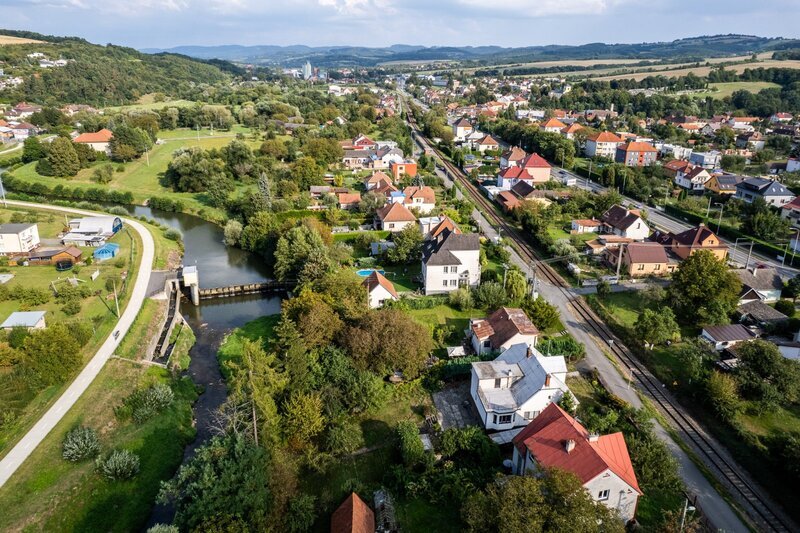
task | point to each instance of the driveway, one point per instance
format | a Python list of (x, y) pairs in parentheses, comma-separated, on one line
[(12, 461)]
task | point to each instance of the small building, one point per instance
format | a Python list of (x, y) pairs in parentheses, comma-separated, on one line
[(421, 198), (640, 259), (91, 231), (461, 129), (554, 439), (487, 143), (533, 169), (518, 385), (693, 179), (106, 252), (375, 180), (722, 337), (348, 200), (552, 125), (98, 141), (512, 157), (54, 256), (18, 238), (406, 168), (772, 192), (501, 330), (581, 226), (450, 259), (759, 314), (696, 239), (393, 217), (623, 222), (353, 516), (707, 160), (24, 319), (379, 289), (764, 284), (723, 183), (508, 201)]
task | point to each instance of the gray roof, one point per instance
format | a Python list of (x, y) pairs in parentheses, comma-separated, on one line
[(438, 251), (26, 319), (730, 332), (761, 312), (14, 228), (764, 187), (760, 279)]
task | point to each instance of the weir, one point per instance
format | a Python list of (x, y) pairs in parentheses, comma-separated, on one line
[(190, 280)]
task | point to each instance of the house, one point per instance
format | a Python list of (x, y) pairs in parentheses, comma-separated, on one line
[(24, 110), (605, 242), (692, 179), (570, 131), (640, 259), (348, 200), (759, 314), (487, 142), (763, 284), (56, 256), (106, 252), (532, 169), (450, 260), (791, 212), (357, 159), (722, 337), (406, 168), (18, 238), (554, 439), (512, 157), (508, 201), (353, 516), (723, 183), (379, 289), (24, 319), (793, 165), (444, 224), (552, 125), (750, 140), (98, 141), (518, 385), (636, 154), (602, 144), (696, 239), (707, 160), (582, 225), (461, 129), (501, 330), (422, 198), (23, 130), (385, 156), (393, 217), (360, 142), (771, 191), (374, 181), (91, 231), (624, 223), (778, 118)]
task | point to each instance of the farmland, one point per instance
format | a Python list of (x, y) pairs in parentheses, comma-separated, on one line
[(727, 89), (702, 70), (7, 39)]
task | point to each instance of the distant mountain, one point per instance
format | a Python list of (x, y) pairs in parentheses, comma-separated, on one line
[(333, 56)]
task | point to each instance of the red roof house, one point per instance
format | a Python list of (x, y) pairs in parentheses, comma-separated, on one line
[(353, 516)]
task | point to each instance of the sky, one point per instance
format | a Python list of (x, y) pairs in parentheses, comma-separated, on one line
[(167, 23)]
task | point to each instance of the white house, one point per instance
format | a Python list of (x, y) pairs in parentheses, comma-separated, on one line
[(393, 217), (585, 225), (451, 260), (624, 223), (532, 169), (18, 238), (602, 144), (772, 192), (501, 330), (793, 165), (421, 198), (764, 284), (514, 388), (379, 289), (725, 336), (693, 179), (99, 141), (602, 463), (24, 319), (461, 129), (512, 157)]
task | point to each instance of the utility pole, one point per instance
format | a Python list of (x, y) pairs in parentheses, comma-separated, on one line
[(116, 299), (708, 210), (3, 189), (619, 261), (749, 254), (505, 272), (719, 223)]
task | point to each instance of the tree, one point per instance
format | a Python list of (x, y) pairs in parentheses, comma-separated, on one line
[(693, 356), (129, 142), (232, 232), (461, 299), (62, 159), (119, 465), (79, 444), (193, 170), (407, 245), (411, 449), (786, 307), (274, 148), (723, 395), (516, 285), (541, 312), (567, 403), (792, 289), (52, 354), (294, 248), (32, 150), (303, 419), (656, 327), (490, 295), (603, 289), (306, 173), (103, 174), (703, 289), (765, 376)]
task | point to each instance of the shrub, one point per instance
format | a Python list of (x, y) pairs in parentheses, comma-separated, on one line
[(411, 448), (79, 444), (119, 211), (461, 299), (120, 262), (71, 307), (490, 295), (163, 528), (119, 465), (173, 234), (344, 438), (786, 307), (144, 404)]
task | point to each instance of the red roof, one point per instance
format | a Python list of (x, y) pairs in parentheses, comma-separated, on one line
[(553, 123), (375, 279), (546, 437), (102, 136), (395, 213), (446, 224), (572, 128), (349, 197), (426, 193), (488, 140), (637, 147), (535, 161), (353, 516), (604, 137)]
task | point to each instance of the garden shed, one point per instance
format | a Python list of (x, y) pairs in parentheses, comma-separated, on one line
[(107, 251)]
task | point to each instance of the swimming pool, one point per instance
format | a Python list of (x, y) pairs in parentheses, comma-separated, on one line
[(364, 272)]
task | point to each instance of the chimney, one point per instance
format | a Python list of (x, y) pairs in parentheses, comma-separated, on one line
[(594, 437), (529, 353), (569, 445), (547, 380)]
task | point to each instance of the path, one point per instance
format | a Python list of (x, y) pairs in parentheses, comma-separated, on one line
[(14, 459)]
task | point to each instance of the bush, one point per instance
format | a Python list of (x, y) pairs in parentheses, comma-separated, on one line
[(119, 211), (79, 444), (144, 404), (490, 295), (71, 307), (120, 262), (163, 528), (119, 465), (173, 235), (461, 299), (411, 448), (344, 438), (786, 307)]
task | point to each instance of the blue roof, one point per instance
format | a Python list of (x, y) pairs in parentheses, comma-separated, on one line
[(396, 194), (26, 319)]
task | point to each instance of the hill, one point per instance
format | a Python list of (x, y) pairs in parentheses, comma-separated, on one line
[(693, 47), (101, 75)]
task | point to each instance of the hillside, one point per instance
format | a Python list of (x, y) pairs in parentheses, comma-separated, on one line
[(693, 47), (100, 75)]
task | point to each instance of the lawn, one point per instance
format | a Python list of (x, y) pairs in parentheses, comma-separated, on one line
[(258, 329), (444, 315), (147, 103), (146, 327), (727, 89)]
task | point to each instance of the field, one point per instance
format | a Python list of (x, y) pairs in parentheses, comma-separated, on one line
[(727, 89), (7, 39), (148, 103), (702, 70)]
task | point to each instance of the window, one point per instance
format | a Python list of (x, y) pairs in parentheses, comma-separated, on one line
[(487, 343), (391, 225), (498, 383), (640, 267), (454, 269), (453, 282), (506, 419), (658, 267), (602, 495), (530, 415), (444, 283)]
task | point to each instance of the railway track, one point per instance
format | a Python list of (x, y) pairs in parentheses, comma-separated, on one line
[(756, 506)]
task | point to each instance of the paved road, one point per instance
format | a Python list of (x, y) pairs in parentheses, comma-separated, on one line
[(12, 461)]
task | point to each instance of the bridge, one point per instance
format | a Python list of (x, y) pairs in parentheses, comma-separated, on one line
[(189, 277)]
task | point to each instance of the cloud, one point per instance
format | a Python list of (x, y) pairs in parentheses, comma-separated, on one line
[(542, 8)]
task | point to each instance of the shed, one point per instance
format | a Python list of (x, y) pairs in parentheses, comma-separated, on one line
[(26, 319), (107, 251)]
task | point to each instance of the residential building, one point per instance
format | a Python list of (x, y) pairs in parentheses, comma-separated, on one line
[(771, 191), (451, 260), (24, 319), (357, 159), (778, 118), (552, 125), (554, 439), (393, 217), (512, 157), (763, 284), (722, 337), (487, 142), (533, 169), (693, 179), (23, 130), (570, 131), (602, 144), (421, 198), (353, 516), (641, 259), (507, 200), (348, 200), (750, 140), (793, 165), (373, 181), (501, 330), (18, 238), (379, 289), (636, 154), (405, 168), (99, 141), (707, 160), (759, 314), (623, 222), (518, 385), (581, 226), (461, 128), (791, 212), (675, 167), (444, 224), (697, 239), (723, 183)]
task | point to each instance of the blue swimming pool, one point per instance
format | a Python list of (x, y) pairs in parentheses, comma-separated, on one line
[(364, 272)]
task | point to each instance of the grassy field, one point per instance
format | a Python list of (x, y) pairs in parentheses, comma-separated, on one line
[(148, 103), (703, 70), (258, 329), (444, 315), (8, 39), (727, 89)]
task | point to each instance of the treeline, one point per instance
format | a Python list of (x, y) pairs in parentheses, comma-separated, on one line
[(93, 194)]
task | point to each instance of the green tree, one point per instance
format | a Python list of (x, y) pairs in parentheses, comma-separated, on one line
[(792, 289), (52, 354), (765, 376), (193, 170), (703, 289), (305, 172), (294, 248), (62, 159), (723, 395), (490, 295), (411, 448), (103, 174), (541, 312), (407, 245), (303, 419), (656, 327), (32, 150), (516, 285)]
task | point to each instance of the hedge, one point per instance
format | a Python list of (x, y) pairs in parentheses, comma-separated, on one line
[(93, 194)]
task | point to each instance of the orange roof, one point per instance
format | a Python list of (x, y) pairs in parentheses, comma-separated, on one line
[(377, 176), (604, 137), (553, 123), (349, 197), (508, 199), (395, 213), (446, 224), (3, 123), (515, 154), (637, 147), (102, 136), (572, 128), (587, 222), (535, 161), (426, 193), (545, 437), (375, 279), (353, 516), (488, 139)]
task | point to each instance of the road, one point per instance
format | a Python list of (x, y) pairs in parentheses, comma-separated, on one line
[(14, 459)]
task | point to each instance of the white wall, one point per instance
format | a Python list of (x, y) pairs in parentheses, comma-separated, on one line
[(22, 242), (378, 296), (620, 495), (396, 226)]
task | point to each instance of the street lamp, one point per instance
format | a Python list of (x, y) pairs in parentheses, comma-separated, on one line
[(721, 209), (686, 508)]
